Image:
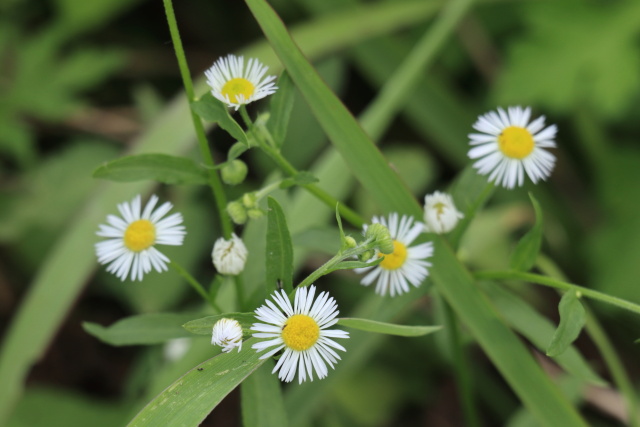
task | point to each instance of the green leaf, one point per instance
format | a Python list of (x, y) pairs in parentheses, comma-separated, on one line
[(157, 167), (236, 150), (192, 397), (144, 329), (387, 328), (538, 329), (204, 325), (211, 109), (281, 105), (347, 265), (572, 320), (526, 251), (301, 178), (261, 397), (279, 259)]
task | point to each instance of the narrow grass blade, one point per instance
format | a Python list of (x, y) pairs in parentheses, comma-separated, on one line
[(279, 257), (526, 251)]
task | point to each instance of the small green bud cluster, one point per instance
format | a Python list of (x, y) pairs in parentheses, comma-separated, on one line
[(244, 208), (380, 234), (234, 172)]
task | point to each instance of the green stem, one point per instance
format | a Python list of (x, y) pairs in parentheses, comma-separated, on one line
[(194, 284), (608, 352), (345, 212), (214, 180), (461, 365), (558, 284)]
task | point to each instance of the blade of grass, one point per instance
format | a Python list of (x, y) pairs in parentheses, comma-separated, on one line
[(503, 347)]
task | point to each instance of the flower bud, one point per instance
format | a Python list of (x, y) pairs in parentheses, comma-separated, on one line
[(237, 212), (250, 200), (380, 234), (440, 213), (366, 256), (229, 256), (234, 172), (255, 213), (350, 242), (227, 333)]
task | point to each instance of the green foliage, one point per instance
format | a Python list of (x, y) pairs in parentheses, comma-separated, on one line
[(598, 69), (387, 328), (157, 167), (279, 255), (281, 106), (213, 110), (204, 325), (526, 251), (262, 404), (572, 320), (144, 329)]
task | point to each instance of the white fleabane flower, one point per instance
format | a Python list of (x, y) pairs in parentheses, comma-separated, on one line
[(235, 85), (229, 256), (302, 331), (509, 146), (227, 333), (440, 213), (132, 238), (406, 264)]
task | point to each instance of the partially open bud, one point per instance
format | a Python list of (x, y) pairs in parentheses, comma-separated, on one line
[(237, 212), (381, 236), (234, 172), (227, 333), (440, 213), (229, 256)]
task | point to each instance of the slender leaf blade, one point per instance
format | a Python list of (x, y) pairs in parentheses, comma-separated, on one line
[(143, 329), (204, 325), (572, 320), (279, 259), (192, 397), (261, 397), (156, 167), (281, 105), (526, 251), (387, 328), (211, 109)]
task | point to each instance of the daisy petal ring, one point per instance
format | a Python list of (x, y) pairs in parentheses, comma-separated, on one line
[(509, 145), (301, 331), (406, 264), (132, 238), (236, 85)]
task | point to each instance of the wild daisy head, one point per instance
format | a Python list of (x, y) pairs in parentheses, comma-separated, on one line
[(301, 331), (229, 256), (406, 264), (509, 145), (440, 213), (235, 85), (131, 238), (227, 333)]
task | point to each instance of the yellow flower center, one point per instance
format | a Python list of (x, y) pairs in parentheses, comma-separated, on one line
[(140, 235), (394, 260), (300, 332), (516, 142), (238, 86), (439, 207)]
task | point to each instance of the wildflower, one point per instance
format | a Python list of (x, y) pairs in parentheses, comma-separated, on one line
[(132, 238), (302, 331), (440, 213), (229, 256), (405, 264), (227, 333), (236, 85), (509, 146)]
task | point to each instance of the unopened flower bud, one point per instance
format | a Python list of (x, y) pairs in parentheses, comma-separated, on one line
[(229, 256), (234, 172), (227, 333), (255, 213), (237, 212), (350, 242), (249, 200), (380, 234), (440, 213), (367, 255)]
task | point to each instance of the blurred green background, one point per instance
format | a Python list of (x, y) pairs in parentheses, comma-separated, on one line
[(86, 82)]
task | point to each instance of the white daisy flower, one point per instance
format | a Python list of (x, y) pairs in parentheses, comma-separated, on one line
[(302, 331), (440, 213), (406, 264), (509, 146), (229, 256), (236, 85), (132, 238), (227, 333)]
